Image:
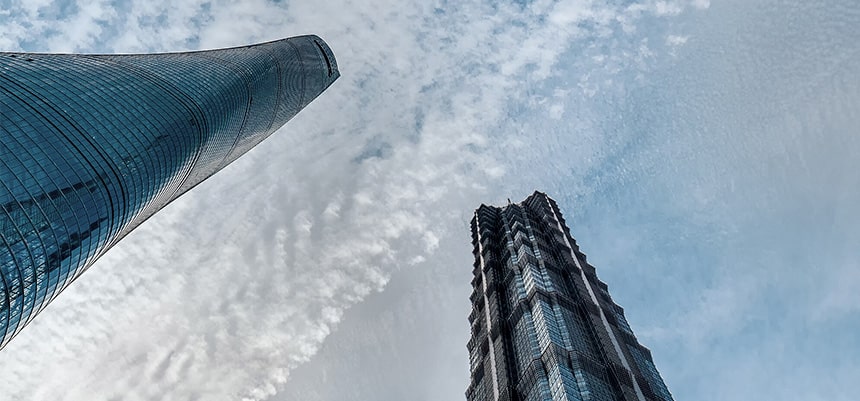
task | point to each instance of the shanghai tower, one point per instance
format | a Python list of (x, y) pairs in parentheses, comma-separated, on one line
[(93, 145), (544, 327)]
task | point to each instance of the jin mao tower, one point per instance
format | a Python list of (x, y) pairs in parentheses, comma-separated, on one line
[(544, 327), (93, 145)]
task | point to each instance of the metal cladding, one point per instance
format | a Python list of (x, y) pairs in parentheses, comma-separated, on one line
[(544, 327), (93, 145)]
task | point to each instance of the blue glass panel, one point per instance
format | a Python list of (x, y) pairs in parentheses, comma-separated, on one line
[(92, 145)]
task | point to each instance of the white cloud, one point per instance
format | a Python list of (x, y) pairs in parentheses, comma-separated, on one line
[(676, 40), (701, 4), (226, 292)]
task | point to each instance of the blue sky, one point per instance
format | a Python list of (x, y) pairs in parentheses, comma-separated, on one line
[(703, 153)]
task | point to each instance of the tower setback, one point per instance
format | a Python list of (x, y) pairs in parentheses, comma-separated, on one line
[(93, 145), (544, 327)]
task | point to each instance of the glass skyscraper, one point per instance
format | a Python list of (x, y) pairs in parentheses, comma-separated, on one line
[(93, 145), (544, 327)]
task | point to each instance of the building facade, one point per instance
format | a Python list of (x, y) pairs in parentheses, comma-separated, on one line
[(93, 145), (544, 327)]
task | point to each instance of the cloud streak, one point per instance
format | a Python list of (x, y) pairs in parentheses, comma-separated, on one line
[(227, 292), (229, 289)]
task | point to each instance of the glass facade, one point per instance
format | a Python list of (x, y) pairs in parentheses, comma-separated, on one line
[(544, 327), (93, 145)]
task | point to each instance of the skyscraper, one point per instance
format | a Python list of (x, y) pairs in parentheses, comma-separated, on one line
[(93, 145), (544, 327)]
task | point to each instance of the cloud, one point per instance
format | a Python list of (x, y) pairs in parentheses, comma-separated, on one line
[(675, 40), (226, 291), (442, 106)]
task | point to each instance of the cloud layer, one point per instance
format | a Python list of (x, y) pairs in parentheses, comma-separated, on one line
[(229, 289), (680, 146)]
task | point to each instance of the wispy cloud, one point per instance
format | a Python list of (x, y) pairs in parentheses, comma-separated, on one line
[(227, 291)]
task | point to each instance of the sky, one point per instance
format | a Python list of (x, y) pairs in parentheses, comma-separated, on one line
[(703, 153)]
